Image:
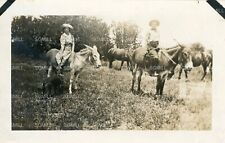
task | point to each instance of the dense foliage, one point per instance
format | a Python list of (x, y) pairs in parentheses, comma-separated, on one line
[(125, 34), (33, 36)]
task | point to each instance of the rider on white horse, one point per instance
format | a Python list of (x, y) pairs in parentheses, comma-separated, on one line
[(67, 46)]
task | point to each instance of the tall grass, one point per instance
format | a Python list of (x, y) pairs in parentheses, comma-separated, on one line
[(104, 101)]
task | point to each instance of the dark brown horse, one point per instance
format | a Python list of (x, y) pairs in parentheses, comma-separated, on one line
[(121, 55), (168, 60), (200, 57)]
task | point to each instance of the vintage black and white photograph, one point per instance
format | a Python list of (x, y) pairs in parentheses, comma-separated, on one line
[(94, 73), (132, 66)]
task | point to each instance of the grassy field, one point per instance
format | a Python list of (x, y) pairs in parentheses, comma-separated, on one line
[(103, 101)]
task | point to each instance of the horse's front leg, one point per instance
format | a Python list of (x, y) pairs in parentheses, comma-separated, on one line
[(186, 75), (71, 80), (210, 70), (139, 80), (205, 71), (134, 72), (49, 71), (163, 79), (128, 65), (110, 63), (121, 64), (75, 82), (158, 85), (131, 66), (180, 72)]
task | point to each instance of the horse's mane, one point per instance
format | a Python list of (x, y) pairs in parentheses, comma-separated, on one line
[(83, 51), (172, 51), (171, 48)]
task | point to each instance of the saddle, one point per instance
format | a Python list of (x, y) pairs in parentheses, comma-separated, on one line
[(148, 55), (60, 56)]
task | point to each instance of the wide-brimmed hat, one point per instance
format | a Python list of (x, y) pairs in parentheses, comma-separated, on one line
[(65, 25), (154, 23)]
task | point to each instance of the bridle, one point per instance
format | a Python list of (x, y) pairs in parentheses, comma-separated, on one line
[(169, 57)]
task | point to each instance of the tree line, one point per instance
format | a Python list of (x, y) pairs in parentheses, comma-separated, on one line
[(34, 36)]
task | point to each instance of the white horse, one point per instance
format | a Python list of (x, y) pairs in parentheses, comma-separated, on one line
[(77, 62)]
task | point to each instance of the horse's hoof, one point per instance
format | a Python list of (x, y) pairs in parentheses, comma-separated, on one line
[(139, 92), (134, 92), (179, 78), (203, 80), (157, 96)]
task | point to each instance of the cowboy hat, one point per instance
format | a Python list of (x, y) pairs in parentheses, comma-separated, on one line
[(67, 25), (154, 23)]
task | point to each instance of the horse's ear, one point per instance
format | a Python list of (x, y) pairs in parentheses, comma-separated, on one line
[(181, 46), (87, 46), (95, 47)]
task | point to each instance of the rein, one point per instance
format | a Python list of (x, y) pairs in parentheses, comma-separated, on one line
[(82, 53), (169, 57)]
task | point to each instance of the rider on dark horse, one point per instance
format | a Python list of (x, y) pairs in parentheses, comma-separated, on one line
[(153, 38)]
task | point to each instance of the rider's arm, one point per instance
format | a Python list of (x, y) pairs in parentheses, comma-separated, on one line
[(148, 37), (62, 42), (73, 44)]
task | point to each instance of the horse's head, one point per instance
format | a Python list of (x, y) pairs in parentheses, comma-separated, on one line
[(185, 58), (95, 56)]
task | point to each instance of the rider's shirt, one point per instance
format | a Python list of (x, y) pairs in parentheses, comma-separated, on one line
[(67, 40), (153, 35)]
